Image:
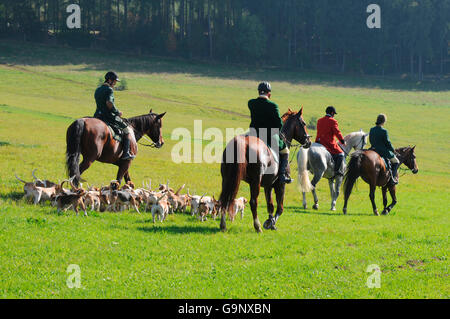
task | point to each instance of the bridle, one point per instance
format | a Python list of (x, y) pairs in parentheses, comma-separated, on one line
[(151, 145), (290, 144)]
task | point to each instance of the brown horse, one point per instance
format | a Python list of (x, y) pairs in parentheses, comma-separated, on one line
[(248, 158), (370, 166), (91, 138)]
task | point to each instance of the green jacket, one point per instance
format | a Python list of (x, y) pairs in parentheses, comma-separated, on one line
[(111, 117), (379, 139), (265, 114)]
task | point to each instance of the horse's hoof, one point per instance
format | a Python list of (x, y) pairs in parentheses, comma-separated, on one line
[(344, 210), (267, 224), (305, 206), (316, 206), (333, 209), (385, 212), (376, 213), (259, 230)]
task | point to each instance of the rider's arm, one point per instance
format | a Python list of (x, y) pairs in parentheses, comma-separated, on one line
[(337, 132), (110, 103), (278, 122), (387, 142)]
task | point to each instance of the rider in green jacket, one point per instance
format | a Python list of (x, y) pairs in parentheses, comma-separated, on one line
[(267, 122), (379, 139), (108, 113)]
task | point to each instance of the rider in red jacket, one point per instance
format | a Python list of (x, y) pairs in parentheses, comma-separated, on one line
[(327, 132)]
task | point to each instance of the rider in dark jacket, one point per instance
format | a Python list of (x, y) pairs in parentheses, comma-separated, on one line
[(379, 139), (108, 113), (267, 122)]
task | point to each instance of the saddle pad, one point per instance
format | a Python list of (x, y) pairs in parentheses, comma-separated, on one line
[(115, 136), (276, 156)]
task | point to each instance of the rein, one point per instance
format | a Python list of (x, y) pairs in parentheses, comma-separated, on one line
[(152, 144)]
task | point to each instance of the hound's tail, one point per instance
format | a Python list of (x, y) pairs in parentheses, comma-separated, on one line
[(233, 170), (303, 183), (73, 151)]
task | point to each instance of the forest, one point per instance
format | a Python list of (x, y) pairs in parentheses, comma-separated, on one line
[(324, 35)]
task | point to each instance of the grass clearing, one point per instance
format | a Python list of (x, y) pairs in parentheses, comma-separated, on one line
[(314, 254)]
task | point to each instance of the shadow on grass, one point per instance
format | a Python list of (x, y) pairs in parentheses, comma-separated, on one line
[(16, 196), (179, 230), (301, 210)]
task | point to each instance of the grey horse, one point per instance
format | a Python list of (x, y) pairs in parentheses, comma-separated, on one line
[(319, 162)]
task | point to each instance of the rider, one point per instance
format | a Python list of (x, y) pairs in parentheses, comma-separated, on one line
[(108, 113), (267, 122), (327, 131), (379, 139)]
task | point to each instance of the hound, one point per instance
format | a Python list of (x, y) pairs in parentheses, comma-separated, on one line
[(160, 208), (238, 206)]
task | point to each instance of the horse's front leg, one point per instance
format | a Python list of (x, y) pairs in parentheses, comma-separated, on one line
[(268, 224), (127, 176), (254, 193), (383, 192), (123, 169), (279, 192), (392, 190)]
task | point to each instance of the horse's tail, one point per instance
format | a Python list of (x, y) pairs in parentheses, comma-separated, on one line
[(73, 151), (303, 183), (233, 172), (353, 172)]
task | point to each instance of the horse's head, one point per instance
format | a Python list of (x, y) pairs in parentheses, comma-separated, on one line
[(407, 157), (154, 130), (295, 128), (356, 140)]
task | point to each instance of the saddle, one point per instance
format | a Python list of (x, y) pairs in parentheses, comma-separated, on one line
[(117, 135)]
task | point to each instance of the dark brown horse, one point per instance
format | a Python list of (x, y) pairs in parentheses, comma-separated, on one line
[(248, 158), (370, 166), (91, 138)]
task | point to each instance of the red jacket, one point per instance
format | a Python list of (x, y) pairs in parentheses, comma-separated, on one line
[(327, 130)]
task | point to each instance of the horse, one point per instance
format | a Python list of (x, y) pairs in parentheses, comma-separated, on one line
[(92, 138), (372, 169), (319, 162), (248, 158)]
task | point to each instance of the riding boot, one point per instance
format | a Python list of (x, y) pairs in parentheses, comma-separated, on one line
[(394, 170), (338, 167), (126, 148), (283, 174)]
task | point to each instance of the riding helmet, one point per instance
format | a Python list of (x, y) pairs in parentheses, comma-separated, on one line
[(264, 87), (111, 76), (330, 110)]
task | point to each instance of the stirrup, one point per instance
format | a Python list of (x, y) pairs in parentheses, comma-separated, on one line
[(127, 156)]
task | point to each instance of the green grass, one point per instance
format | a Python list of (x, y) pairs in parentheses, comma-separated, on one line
[(313, 254)]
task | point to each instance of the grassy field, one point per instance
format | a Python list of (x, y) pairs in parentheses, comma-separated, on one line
[(313, 254)]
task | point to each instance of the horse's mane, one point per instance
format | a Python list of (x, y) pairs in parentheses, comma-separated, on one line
[(288, 114), (141, 123)]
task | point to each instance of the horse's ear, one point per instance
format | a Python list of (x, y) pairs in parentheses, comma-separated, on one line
[(300, 112), (160, 116), (413, 148), (151, 110)]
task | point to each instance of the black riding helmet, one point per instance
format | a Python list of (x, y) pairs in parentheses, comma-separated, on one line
[(330, 110), (264, 87), (111, 76)]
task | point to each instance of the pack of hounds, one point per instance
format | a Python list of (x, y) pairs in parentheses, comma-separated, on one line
[(115, 198)]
